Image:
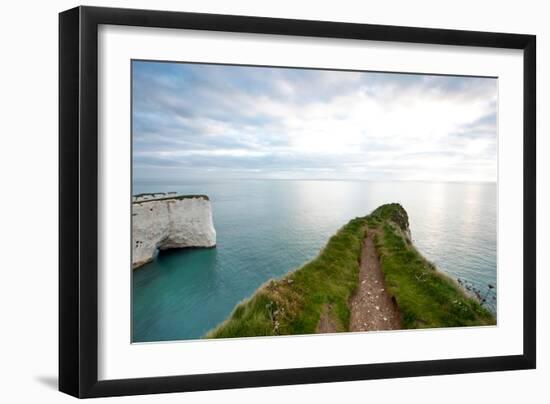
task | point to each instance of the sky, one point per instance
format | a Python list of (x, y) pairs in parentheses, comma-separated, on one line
[(199, 121)]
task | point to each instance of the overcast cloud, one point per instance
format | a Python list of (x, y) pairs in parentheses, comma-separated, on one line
[(195, 121)]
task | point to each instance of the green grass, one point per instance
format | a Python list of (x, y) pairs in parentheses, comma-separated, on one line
[(294, 303), (426, 297)]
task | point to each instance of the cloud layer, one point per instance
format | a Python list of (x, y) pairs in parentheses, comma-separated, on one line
[(197, 121)]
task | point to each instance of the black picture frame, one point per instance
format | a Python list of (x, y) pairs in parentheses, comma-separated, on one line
[(78, 200)]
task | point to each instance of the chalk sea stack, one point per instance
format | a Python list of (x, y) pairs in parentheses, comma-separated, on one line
[(163, 221)]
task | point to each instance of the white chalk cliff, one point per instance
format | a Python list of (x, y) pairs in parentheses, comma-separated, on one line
[(163, 222)]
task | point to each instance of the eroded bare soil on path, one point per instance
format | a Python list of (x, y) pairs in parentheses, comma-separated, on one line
[(371, 306)]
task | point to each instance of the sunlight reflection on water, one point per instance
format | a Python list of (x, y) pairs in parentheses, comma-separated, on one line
[(267, 228)]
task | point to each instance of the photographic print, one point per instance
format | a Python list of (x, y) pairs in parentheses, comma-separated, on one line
[(273, 201)]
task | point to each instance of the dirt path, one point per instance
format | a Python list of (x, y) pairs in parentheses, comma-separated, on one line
[(326, 323), (371, 307)]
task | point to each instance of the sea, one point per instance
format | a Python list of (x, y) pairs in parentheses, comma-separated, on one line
[(266, 228)]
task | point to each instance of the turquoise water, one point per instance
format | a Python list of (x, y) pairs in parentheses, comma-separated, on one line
[(266, 228)]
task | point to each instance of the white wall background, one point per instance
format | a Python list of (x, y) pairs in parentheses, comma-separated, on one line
[(28, 203)]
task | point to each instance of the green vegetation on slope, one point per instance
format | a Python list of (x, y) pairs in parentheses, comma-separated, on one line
[(427, 298), (293, 304)]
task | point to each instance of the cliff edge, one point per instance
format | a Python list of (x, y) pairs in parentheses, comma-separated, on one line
[(325, 295), (164, 221)]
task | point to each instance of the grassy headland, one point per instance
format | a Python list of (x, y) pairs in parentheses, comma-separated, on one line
[(427, 298), (294, 304)]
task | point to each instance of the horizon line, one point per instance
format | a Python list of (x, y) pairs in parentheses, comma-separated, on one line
[(312, 179)]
